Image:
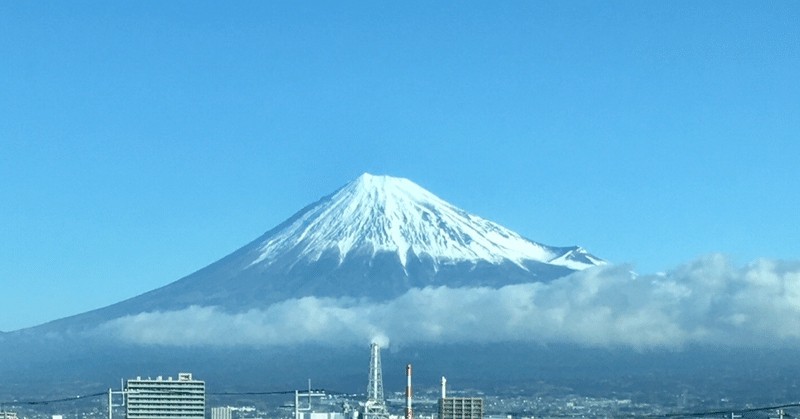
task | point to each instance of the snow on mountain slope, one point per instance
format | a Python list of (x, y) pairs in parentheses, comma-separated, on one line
[(376, 238), (388, 214), (577, 258)]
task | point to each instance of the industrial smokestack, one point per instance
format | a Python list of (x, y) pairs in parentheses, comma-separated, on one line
[(444, 385), (409, 413)]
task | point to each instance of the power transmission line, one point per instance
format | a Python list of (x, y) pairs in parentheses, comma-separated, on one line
[(89, 396), (711, 413), (68, 399), (270, 393)]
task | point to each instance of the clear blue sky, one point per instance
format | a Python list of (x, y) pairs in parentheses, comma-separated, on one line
[(141, 141)]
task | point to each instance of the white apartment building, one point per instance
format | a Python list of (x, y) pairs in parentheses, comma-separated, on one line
[(184, 398)]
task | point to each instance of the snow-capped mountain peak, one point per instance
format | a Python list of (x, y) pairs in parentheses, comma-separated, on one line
[(389, 214)]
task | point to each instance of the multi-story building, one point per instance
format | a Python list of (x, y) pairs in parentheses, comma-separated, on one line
[(224, 412), (461, 408), (184, 398), (8, 415)]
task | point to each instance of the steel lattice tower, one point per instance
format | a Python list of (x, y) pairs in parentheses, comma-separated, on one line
[(375, 407)]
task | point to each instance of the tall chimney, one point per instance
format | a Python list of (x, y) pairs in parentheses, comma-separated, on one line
[(409, 413), (444, 385)]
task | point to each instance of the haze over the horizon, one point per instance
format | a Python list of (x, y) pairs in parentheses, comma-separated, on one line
[(142, 141)]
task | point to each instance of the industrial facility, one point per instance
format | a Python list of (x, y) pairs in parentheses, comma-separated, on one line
[(375, 406), (185, 397)]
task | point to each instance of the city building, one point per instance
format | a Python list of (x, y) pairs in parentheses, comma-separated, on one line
[(221, 412), (8, 415), (323, 415), (184, 398), (459, 407)]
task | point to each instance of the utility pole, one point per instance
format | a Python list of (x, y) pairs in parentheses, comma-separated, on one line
[(297, 395), (110, 405), (781, 414)]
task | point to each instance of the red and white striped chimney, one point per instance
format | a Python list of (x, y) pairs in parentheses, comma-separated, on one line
[(409, 413)]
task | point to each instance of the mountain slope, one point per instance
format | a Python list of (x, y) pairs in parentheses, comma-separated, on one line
[(376, 237), (385, 214)]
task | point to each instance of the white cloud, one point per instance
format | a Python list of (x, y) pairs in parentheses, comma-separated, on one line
[(708, 300)]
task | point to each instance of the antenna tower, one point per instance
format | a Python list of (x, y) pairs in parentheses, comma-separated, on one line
[(375, 407)]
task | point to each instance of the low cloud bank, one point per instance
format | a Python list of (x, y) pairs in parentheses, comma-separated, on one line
[(707, 301)]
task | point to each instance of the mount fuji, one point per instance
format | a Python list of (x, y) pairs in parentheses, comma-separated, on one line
[(371, 244), (377, 237), (382, 259)]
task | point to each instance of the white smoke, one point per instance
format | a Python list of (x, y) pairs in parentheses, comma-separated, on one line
[(708, 300), (380, 339)]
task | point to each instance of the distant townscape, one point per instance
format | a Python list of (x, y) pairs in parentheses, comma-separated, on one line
[(186, 397)]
